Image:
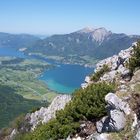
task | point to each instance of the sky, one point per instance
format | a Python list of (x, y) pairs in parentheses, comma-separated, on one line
[(46, 17)]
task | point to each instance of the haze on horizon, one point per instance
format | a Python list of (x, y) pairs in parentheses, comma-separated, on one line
[(63, 16)]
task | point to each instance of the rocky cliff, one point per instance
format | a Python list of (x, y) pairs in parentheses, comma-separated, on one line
[(43, 115), (122, 106)]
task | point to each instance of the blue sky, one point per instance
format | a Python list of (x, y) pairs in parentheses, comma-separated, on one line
[(64, 16)]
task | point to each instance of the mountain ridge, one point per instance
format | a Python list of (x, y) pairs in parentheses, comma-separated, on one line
[(16, 41), (74, 48)]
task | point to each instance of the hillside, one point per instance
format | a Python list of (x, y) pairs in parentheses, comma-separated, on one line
[(13, 105), (83, 46), (106, 108), (16, 41)]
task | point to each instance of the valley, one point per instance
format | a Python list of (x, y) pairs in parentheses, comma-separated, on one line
[(21, 74), (20, 90)]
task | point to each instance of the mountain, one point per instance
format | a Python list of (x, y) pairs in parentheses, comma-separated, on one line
[(16, 40), (95, 43)]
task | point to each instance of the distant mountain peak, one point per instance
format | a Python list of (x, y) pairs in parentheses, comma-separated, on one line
[(86, 30), (100, 34)]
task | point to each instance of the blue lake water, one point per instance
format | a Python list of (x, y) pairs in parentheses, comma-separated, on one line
[(9, 51), (64, 78)]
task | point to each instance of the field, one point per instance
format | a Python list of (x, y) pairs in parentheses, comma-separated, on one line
[(21, 74)]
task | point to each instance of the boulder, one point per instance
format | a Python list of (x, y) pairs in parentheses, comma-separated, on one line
[(117, 121), (114, 102), (117, 111)]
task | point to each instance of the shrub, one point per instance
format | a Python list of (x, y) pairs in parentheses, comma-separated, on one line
[(134, 61), (87, 104), (100, 73)]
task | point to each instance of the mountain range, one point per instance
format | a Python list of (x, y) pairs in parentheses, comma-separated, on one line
[(84, 46), (16, 40), (96, 43)]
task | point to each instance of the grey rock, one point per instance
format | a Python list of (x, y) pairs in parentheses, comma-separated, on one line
[(111, 61), (116, 103), (117, 121), (98, 136), (137, 137), (109, 77), (135, 122), (100, 125), (126, 75), (117, 111), (115, 68), (13, 134), (45, 114)]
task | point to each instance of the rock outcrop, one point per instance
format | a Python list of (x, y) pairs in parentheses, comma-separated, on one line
[(112, 61), (117, 66), (87, 82), (114, 102), (45, 114), (117, 110), (97, 136), (137, 137)]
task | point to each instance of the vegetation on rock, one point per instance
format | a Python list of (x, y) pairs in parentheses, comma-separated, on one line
[(134, 61), (87, 104), (100, 73)]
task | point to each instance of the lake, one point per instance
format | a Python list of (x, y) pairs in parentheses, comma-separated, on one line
[(64, 78), (9, 51)]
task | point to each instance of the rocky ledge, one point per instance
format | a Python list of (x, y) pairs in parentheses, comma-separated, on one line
[(43, 115), (122, 117), (117, 66)]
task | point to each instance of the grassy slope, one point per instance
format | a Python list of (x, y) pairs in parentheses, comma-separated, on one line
[(12, 105)]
